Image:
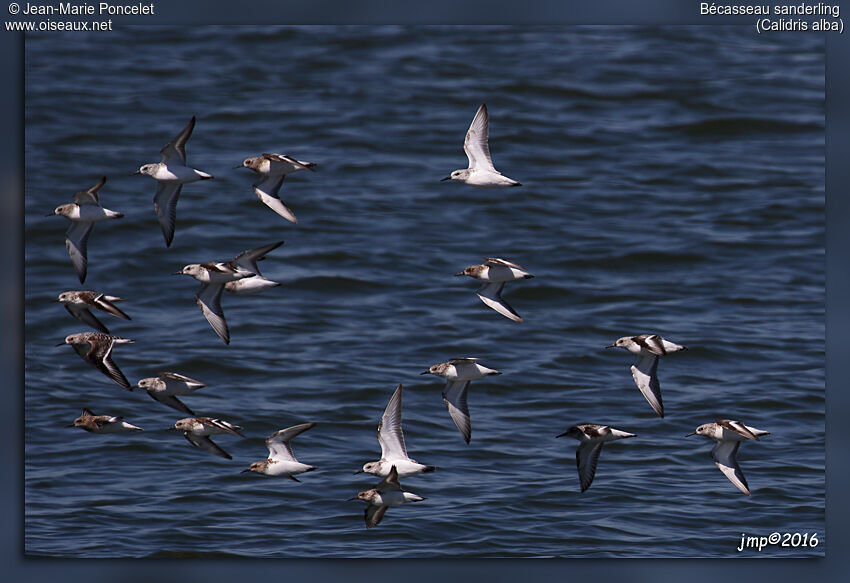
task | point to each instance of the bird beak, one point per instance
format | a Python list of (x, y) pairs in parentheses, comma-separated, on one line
[(50, 214), (425, 372), (177, 273), (136, 172), (446, 178), (563, 434), (691, 433), (245, 471), (61, 344), (350, 499), (71, 425), (239, 166), (611, 346), (461, 273), (358, 472)]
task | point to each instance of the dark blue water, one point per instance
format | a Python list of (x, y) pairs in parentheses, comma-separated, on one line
[(673, 182)]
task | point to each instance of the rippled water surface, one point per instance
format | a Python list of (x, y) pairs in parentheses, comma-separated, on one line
[(673, 182)]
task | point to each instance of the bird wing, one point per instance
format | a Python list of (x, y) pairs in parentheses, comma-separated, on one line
[(248, 259), (220, 425), (173, 376), (267, 189), (454, 396), (278, 442), (89, 196), (390, 482), (390, 435), (175, 150), (101, 301), (475, 144), (171, 401), (374, 514), (498, 261), (587, 456), (100, 355), (86, 317), (165, 205), (645, 373), (289, 160), (207, 444), (651, 342), (208, 299), (737, 427), (723, 455), (491, 294), (77, 240)]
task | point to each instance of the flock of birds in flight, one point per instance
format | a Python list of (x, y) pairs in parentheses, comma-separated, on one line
[(241, 275)]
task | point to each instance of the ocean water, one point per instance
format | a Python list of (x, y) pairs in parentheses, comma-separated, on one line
[(673, 182)]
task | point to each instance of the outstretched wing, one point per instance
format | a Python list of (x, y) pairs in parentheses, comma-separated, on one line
[(491, 294), (374, 514), (267, 189), (165, 205), (207, 444), (390, 435), (278, 442), (723, 455), (475, 144), (77, 241), (454, 396), (587, 456), (89, 196), (248, 259), (645, 373), (175, 150), (100, 355), (208, 299)]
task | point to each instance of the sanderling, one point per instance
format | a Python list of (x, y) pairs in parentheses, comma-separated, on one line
[(103, 423), (83, 213), (495, 273), (272, 169), (481, 172), (79, 303), (213, 276), (96, 349), (198, 429), (248, 260), (592, 437), (171, 174), (458, 372), (281, 460), (393, 452), (387, 493), (167, 385), (729, 435), (647, 347)]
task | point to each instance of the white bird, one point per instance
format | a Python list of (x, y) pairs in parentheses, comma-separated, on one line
[(272, 169), (458, 373), (729, 435), (248, 261), (171, 174), (281, 460), (198, 429), (495, 272), (165, 388), (481, 172), (387, 493), (393, 451), (103, 423), (592, 437), (213, 277), (83, 213), (79, 304), (647, 347), (96, 349)]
